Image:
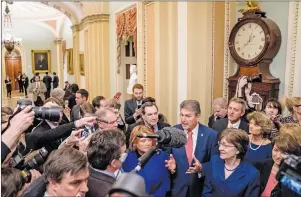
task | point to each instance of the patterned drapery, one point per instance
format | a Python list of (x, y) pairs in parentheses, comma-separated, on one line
[(126, 28)]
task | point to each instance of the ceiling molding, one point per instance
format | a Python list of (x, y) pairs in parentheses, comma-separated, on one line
[(95, 18)]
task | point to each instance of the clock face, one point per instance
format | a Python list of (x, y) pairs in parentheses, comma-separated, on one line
[(249, 41)]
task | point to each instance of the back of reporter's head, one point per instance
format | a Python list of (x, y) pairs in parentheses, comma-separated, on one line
[(12, 182), (61, 167), (105, 149)]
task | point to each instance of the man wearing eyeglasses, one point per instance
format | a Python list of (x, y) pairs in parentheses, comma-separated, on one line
[(106, 119)]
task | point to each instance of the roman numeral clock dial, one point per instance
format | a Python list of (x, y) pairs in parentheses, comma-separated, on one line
[(253, 43), (249, 41)]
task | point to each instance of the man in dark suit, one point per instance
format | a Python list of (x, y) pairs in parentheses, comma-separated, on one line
[(219, 110), (41, 64), (47, 80), (201, 145), (55, 80), (81, 97), (150, 118), (104, 152), (132, 106), (236, 110)]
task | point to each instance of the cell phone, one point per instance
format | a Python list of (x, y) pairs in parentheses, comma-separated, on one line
[(256, 99), (85, 133), (139, 106)]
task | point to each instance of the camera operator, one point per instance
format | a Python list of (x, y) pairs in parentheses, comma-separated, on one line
[(18, 124), (65, 174), (47, 134), (13, 182)]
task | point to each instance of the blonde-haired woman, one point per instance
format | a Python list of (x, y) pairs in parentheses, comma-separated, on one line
[(260, 126), (292, 129), (293, 105), (155, 172)]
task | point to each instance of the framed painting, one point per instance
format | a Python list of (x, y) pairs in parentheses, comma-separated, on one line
[(82, 64), (40, 61), (70, 67)]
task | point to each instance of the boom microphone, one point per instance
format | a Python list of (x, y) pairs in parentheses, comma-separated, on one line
[(168, 137)]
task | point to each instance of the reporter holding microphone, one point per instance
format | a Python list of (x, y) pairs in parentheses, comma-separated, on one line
[(155, 172)]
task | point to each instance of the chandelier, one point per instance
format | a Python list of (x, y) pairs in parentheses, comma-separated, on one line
[(8, 40)]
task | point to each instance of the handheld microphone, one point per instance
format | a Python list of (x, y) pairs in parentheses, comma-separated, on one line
[(168, 137), (145, 157)]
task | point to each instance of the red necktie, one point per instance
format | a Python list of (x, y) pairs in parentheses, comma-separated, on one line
[(189, 147)]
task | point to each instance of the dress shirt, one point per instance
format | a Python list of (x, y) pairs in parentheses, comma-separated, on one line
[(194, 137), (235, 125), (112, 174)]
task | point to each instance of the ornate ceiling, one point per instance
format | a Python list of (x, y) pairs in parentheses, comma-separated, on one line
[(32, 11)]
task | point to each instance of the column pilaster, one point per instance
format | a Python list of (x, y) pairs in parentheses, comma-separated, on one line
[(59, 61), (75, 34)]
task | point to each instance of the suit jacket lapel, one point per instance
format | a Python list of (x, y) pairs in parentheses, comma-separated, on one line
[(199, 143)]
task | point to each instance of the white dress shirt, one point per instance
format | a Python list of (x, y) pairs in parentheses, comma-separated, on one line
[(235, 125)]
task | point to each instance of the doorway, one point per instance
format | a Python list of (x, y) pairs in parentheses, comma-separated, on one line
[(13, 65), (128, 57)]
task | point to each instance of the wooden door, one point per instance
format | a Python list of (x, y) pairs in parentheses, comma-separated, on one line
[(13, 66)]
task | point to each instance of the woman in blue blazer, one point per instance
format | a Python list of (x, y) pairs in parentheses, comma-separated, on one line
[(227, 175), (154, 173)]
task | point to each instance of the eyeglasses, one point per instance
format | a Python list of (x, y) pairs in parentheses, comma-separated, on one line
[(225, 145)]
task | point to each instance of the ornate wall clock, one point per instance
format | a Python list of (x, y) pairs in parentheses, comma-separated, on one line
[(253, 43)]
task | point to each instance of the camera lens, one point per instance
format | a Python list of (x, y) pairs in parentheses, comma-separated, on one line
[(24, 103), (49, 113)]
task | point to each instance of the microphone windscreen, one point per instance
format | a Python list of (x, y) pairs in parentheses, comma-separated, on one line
[(177, 137)]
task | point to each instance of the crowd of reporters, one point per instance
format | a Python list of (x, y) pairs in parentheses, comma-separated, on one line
[(69, 147)]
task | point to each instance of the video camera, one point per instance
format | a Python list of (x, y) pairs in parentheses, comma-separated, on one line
[(255, 78), (289, 173), (37, 159), (49, 113)]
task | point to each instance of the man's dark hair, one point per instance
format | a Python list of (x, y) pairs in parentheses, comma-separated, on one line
[(37, 74), (73, 88), (83, 93), (104, 147), (96, 101), (12, 182), (46, 73), (148, 99), (148, 104), (54, 73), (63, 161)]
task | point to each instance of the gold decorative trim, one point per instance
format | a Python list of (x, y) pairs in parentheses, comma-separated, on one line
[(293, 48), (226, 48), (94, 18), (58, 41)]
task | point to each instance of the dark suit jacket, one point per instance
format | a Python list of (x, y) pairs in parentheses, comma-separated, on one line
[(182, 183), (55, 81), (211, 120), (265, 168), (130, 107), (47, 80), (160, 126), (75, 113), (41, 65), (44, 136), (222, 124), (244, 181), (99, 184)]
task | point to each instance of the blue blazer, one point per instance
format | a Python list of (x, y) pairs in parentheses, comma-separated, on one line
[(154, 173), (206, 146), (243, 182)]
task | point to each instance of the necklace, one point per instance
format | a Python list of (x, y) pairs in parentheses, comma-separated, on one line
[(230, 170), (250, 144)]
